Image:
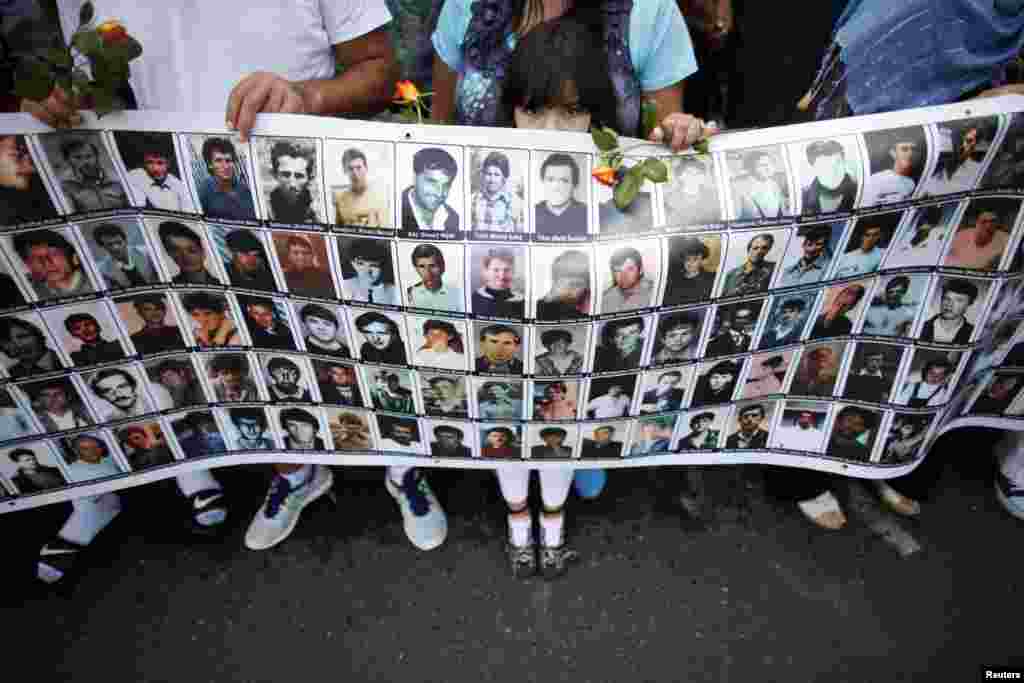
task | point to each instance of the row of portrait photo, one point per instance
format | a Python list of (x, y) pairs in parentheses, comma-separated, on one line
[(869, 372), (839, 431), (929, 308), (490, 192), (507, 281)]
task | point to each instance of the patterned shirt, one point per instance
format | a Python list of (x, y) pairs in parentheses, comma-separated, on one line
[(501, 213)]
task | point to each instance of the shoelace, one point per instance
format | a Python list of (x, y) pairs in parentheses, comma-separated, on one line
[(279, 490), (414, 490)]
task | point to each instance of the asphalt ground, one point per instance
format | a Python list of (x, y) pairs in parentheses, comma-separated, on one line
[(759, 595)]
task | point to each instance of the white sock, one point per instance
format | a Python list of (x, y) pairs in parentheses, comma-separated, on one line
[(89, 517), (191, 482), (396, 473), (519, 529), (298, 477), (552, 526)]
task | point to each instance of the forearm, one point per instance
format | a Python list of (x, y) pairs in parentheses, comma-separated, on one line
[(364, 88)]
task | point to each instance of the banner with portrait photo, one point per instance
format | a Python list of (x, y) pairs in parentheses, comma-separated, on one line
[(830, 296)]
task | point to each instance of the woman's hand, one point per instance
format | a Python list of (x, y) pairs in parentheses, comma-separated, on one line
[(679, 131)]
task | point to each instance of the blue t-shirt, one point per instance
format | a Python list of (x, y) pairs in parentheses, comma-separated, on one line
[(659, 44)]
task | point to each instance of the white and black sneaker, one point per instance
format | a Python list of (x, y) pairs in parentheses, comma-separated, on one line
[(280, 511)]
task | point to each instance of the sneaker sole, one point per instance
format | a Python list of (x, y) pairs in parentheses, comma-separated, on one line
[(316, 494), (1008, 505)]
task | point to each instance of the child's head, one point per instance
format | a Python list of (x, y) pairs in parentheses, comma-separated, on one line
[(558, 79)]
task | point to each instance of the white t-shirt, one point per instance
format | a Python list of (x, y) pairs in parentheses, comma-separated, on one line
[(194, 52)]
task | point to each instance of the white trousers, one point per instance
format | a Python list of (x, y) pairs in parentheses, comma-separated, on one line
[(554, 485)]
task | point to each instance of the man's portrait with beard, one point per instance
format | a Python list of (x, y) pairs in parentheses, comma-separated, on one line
[(288, 180), (85, 171), (23, 195)]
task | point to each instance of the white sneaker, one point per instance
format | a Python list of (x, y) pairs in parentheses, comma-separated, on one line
[(425, 523), (280, 511)]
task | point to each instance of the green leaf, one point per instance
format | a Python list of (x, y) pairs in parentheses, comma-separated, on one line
[(86, 14), (654, 170), (59, 57), (88, 43), (701, 146), (103, 101), (605, 139), (126, 50), (626, 190), (649, 118), (33, 80)]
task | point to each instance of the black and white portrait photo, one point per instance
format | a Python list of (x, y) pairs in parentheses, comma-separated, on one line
[(290, 184), (829, 173), (84, 170), (152, 171)]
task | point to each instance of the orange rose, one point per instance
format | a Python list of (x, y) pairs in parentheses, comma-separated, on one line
[(406, 92), (112, 32), (604, 175)]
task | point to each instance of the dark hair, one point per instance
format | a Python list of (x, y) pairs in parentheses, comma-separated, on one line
[(724, 367), (298, 415), (75, 440), (747, 409), (149, 298), (936, 363), (960, 286), (448, 429), (768, 237), (154, 144), (486, 387), (205, 300), (557, 384), (556, 53), (169, 229), (613, 326), (243, 240), (279, 363), (287, 148), (561, 159), (427, 251), (823, 148), (350, 155), (691, 246), (605, 428), (670, 373), (816, 233), (214, 145), (496, 159), (701, 416), (682, 319), (318, 311), (76, 318), (434, 159), (495, 330), (237, 414), (866, 415), (454, 337), (7, 324), (558, 431), (371, 317), (798, 304), (623, 254), (510, 436), (24, 241), (549, 337), (259, 301), (111, 372), (106, 230), (19, 453), (773, 361), (68, 146), (369, 250), (898, 281), (442, 378), (232, 361)]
